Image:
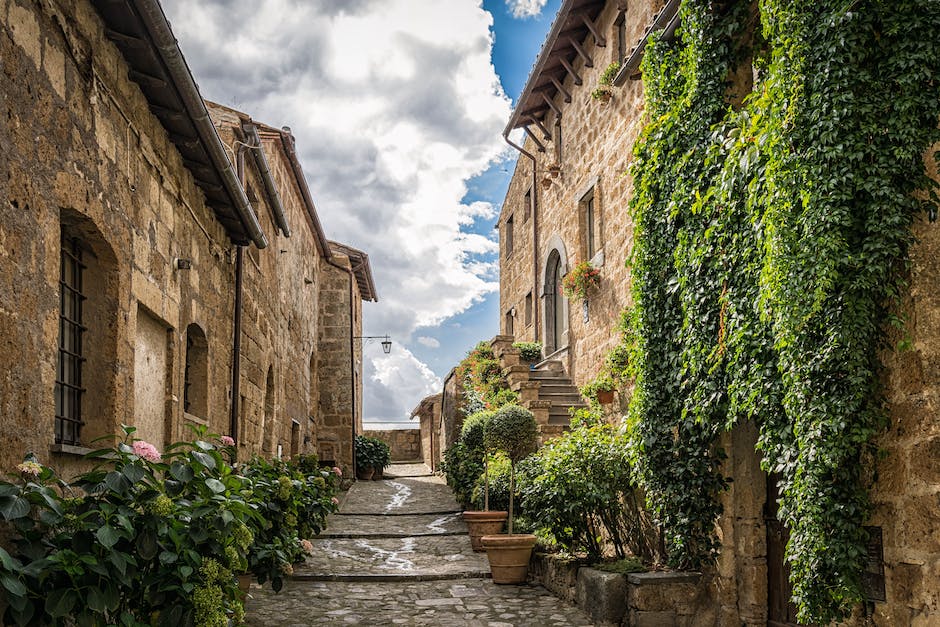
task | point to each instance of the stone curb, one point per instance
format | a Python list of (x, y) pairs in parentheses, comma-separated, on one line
[(475, 574)]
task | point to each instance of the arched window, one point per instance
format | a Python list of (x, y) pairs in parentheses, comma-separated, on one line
[(196, 373)]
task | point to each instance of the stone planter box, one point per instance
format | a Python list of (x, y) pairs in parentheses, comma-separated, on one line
[(655, 599)]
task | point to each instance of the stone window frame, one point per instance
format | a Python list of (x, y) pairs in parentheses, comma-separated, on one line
[(196, 375), (508, 235), (99, 322), (591, 223), (509, 321)]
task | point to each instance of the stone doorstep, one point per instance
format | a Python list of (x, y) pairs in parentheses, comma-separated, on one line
[(360, 577)]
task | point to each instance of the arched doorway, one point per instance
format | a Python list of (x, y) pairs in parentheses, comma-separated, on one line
[(556, 320)]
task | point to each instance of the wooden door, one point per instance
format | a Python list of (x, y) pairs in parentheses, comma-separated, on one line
[(780, 610)]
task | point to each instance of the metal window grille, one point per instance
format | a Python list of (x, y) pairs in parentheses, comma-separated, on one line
[(68, 384)]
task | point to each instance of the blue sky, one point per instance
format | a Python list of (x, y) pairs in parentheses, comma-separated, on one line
[(398, 108), (516, 44)]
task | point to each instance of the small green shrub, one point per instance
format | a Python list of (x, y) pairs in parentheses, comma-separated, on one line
[(462, 468), (529, 351), (472, 431), (498, 468), (513, 431), (623, 567), (372, 452), (579, 489)]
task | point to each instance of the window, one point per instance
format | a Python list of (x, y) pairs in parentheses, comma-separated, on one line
[(508, 236), (589, 225), (557, 137), (527, 205), (621, 24), (196, 373), (508, 330), (71, 353), (294, 439), (268, 428), (528, 309)]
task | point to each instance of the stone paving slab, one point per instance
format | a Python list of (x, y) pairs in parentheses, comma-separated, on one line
[(407, 470), (393, 497), (471, 603), (404, 526), (348, 559)]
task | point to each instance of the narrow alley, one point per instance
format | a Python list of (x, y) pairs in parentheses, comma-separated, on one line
[(398, 553)]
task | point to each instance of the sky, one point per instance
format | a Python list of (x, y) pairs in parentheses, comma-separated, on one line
[(398, 108)]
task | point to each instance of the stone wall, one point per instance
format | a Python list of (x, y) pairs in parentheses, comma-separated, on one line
[(596, 147), (81, 149), (405, 444)]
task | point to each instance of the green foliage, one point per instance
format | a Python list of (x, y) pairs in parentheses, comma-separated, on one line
[(512, 430), (623, 566), (579, 490), (372, 452), (771, 242), (529, 351), (609, 74), (462, 468), (580, 280), (141, 539), (498, 470), (483, 381), (473, 430)]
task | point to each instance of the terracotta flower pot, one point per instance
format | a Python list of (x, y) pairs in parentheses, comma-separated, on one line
[(244, 584), (364, 473), (605, 397), (378, 473), (509, 556), (483, 524)]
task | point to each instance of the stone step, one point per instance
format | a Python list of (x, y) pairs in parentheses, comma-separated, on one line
[(392, 559), (403, 526), (561, 399)]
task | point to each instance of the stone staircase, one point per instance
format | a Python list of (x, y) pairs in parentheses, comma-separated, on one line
[(545, 389)]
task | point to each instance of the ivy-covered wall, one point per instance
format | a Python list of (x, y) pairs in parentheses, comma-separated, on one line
[(771, 257)]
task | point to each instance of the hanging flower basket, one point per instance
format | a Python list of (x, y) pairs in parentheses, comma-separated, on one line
[(580, 280)]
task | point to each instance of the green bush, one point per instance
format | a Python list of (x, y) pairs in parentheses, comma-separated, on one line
[(579, 490), (372, 452), (461, 469), (529, 351), (143, 538), (473, 429), (498, 469), (512, 430)]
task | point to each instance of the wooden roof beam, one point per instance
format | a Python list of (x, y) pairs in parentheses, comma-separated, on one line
[(599, 39), (560, 88), (550, 103), (588, 62), (535, 139), (574, 75), (545, 132)]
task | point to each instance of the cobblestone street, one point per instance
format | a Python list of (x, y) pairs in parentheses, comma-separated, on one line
[(398, 553)]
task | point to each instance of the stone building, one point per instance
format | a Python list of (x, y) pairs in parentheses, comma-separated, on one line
[(155, 271), (568, 202), (428, 413)]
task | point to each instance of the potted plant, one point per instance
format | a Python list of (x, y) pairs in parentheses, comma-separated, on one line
[(366, 455), (382, 460), (580, 280), (486, 522), (600, 389), (604, 92), (529, 351), (512, 429)]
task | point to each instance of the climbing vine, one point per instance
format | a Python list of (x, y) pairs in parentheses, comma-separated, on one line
[(771, 243)]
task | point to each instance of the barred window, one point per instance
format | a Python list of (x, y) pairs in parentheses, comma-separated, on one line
[(71, 356), (196, 373)]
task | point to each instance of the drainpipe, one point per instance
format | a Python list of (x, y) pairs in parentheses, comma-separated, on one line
[(536, 305), (237, 316)]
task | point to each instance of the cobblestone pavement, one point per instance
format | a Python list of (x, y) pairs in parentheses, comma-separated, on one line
[(397, 553)]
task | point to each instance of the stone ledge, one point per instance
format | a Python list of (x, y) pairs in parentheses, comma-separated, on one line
[(663, 577), (68, 449)]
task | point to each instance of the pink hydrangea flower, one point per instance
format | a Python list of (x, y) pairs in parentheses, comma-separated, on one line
[(339, 473), (29, 468), (147, 451), (335, 500), (227, 441), (307, 546)]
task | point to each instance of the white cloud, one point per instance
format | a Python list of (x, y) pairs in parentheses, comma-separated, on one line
[(526, 8), (430, 342), (395, 105), (403, 380)]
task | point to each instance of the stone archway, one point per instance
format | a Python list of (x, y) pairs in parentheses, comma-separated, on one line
[(554, 303)]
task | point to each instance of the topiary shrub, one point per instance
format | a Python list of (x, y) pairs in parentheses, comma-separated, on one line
[(462, 468), (513, 431)]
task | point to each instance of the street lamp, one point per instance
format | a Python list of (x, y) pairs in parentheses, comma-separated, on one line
[(386, 342)]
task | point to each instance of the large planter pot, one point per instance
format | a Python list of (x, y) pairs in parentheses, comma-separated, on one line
[(364, 473), (378, 473), (483, 524), (509, 556)]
